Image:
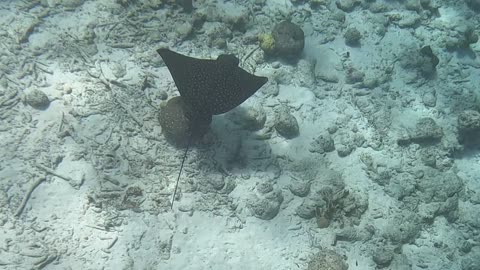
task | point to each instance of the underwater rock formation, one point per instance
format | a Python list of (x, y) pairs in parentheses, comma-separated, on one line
[(176, 126), (327, 260), (37, 99), (426, 132), (265, 202), (468, 125), (286, 40), (286, 124), (473, 4), (424, 61), (352, 36)]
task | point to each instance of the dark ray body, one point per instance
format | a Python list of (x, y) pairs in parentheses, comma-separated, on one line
[(211, 87), (207, 87)]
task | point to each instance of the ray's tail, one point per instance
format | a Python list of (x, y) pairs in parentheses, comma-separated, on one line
[(181, 168)]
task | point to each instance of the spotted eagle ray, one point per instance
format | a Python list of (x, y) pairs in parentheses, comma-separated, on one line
[(208, 87)]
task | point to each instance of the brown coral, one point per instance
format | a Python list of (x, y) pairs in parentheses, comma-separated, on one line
[(177, 127)]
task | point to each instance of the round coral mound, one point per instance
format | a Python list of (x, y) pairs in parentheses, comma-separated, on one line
[(177, 127), (289, 39)]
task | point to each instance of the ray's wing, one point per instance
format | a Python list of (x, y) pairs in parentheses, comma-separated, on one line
[(233, 85), (190, 74), (211, 86)]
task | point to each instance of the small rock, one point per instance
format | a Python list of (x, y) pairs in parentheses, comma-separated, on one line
[(264, 187), (326, 59), (265, 204), (414, 5), (323, 143), (67, 89), (428, 156), (306, 73), (3, 219), (233, 14), (469, 120), (403, 227), (429, 67), (71, 3), (427, 130), (184, 30), (422, 60), (286, 125), (353, 75), (37, 99), (300, 188), (471, 261), (383, 257), (249, 118), (217, 181), (307, 209), (370, 82), (352, 36), (217, 33), (327, 260), (429, 99), (378, 7), (3, 198), (346, 5), (118, 70), (187, 5), (409, 20), (162, 95), (344, 150), (400, 262), (359, 140), (473, 4), (332, 129), (289, 39), (468, 125)]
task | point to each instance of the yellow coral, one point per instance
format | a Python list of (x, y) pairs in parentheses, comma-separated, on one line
[(267, 43)]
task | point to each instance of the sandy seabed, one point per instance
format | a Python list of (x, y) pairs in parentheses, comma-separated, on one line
[(380, 170)]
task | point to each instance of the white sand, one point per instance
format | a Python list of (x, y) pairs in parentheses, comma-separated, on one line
[(92, 134)]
